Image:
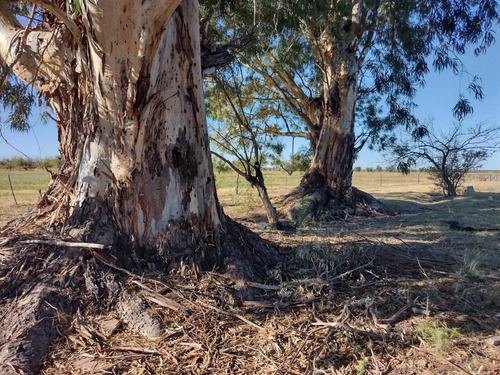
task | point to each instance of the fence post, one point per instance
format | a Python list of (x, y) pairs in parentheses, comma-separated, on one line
[(12, 190)]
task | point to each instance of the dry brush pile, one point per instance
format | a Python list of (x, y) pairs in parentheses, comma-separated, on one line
[(334, 306)]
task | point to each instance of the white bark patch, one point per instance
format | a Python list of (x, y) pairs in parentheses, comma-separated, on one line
[(171, 208), (88, 184), (153, 227), (140, 223)]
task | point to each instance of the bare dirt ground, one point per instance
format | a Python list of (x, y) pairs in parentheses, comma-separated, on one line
[(402, 294)]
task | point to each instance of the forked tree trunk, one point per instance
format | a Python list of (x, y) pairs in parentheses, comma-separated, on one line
[(326, 189), (334, 151)]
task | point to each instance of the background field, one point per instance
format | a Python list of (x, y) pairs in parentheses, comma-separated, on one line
[(27, 184)]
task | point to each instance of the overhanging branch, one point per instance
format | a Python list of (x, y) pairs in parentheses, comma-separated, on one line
[(61, 16)]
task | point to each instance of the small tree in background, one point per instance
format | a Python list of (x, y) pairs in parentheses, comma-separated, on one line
[(236, 117), (448, 156)]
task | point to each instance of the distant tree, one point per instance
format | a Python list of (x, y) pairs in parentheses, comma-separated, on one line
[(23, 163), (448, 156), (357, 169), (48, 163), (219, 165)]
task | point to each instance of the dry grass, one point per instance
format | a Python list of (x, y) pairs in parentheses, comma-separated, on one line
[(393, 295)]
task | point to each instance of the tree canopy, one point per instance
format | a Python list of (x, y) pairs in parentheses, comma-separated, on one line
[(394, 43)]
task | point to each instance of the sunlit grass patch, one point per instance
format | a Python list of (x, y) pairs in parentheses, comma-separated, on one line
[(436, 335)]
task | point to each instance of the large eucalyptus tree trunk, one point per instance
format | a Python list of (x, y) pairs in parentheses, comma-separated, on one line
[(124, 81), (326, 189), (142, 160), (331, 165), (126, 88)]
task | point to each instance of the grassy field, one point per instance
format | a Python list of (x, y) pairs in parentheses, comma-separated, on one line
[(362, 271), (26, 185)]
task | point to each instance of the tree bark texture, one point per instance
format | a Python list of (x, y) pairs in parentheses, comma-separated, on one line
[(271, 213), (333, 155), (135, 162)]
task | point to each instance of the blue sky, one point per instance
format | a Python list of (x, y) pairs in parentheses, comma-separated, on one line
[(435, 101), (441, 92)]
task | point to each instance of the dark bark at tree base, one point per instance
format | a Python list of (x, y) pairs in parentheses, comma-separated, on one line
[(306, 204), (44, 287)]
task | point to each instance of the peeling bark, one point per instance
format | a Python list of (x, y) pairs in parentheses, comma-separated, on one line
[(135, 171)]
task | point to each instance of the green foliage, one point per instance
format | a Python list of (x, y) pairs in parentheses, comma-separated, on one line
[(20, 163), (48, 163), (300, 161), (302, 214), (436, 335), (395, 43), (74, 6), (16, 99), (362, 367), (219, 165), (239, 111), (249, 201), (357, 169)]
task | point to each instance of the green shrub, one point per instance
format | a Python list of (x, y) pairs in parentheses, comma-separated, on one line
[(436, 335)]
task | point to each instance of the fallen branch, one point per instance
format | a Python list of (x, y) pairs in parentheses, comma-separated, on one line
[(347, 327), (88, 245), (230, 314), (341, 324), (393, 318), (160, 299), (263, 286), (342, 275), (279, 305), (140, 350)]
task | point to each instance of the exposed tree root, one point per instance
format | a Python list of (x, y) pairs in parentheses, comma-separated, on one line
[(46, 282), (305, 204)]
